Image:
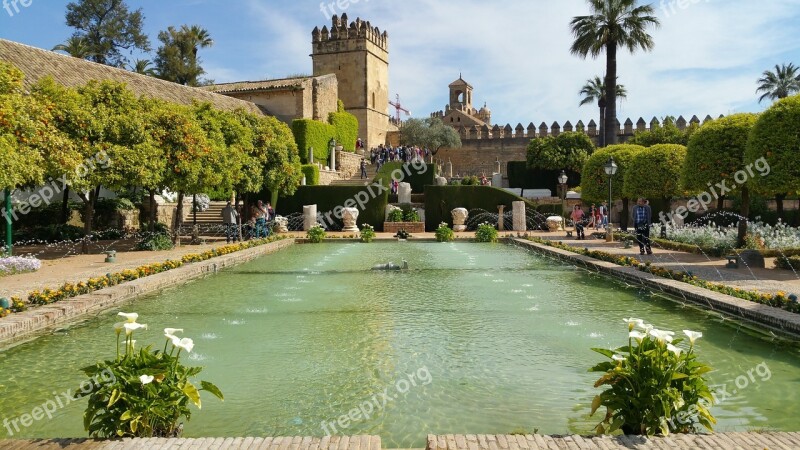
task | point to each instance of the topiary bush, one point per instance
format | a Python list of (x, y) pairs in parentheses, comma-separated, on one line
[(330, 199), (775, 138), (418, 175), (441, 200), (568, 150), (311, 172), (656, 174), (346, 129), (313, 133)]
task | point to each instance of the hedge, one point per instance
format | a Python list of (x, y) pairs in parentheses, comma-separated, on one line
[(441, 200), (328, 198), (311, 172), (417, 176), (313, 133), (520, 176), (346, 129)]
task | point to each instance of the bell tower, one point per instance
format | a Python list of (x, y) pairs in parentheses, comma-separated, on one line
[(358, 54), (461, 95)]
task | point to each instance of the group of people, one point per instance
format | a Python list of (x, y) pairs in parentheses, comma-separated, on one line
[(261, 215), (383, 154), (597, 217)]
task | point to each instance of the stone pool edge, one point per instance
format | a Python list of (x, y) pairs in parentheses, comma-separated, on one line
[(764, 316), (20, 327)]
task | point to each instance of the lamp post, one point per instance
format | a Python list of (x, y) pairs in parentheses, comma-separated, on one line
[(9, 230), (562, 192), (611, 169)]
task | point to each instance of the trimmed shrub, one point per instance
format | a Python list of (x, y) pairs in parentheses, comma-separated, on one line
[(346, 129), (311, 172), (329, 198), (520, 176), (441, 200), (312, 133), (567, 151), (774, 138), (656, 173), (418, 176), (594, 183)]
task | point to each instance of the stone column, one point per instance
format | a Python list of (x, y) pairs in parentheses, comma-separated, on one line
[(520, 223), (311, 155), (497, 166), (350, 218), (448, 169), (404, 193), (501, 222), (460, 219), (309, 216)]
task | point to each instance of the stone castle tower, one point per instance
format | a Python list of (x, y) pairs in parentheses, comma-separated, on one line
[(358, 54)]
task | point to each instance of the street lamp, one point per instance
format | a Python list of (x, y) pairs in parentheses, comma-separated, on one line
[(611, 169), (562, 192)]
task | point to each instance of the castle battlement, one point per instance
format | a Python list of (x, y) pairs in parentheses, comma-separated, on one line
[(331, 40), (626, 129)]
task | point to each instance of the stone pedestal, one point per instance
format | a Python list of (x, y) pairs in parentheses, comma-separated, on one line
[(520, 219), (350, 218), (460, 219), (404, 193), (309, 217), (554, 223), (281, 224), (501, 221), (497, 180)]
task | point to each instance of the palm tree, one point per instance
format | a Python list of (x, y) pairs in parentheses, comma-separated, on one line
[(612, 24), (143, 66), (782, 83), (75, 46), (595, 90), (201, 37)]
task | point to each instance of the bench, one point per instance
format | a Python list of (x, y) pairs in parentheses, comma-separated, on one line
[(733, 262)]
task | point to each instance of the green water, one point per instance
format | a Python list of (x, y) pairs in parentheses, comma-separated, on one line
[(475, 339)]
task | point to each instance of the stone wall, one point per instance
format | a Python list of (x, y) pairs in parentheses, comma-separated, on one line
[(348, 164), (326, 177)]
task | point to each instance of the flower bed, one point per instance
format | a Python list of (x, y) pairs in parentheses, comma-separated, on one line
[(69, 290), (12, 265), (778, 300)]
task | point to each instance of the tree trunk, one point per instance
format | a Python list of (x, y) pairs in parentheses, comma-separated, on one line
[(721, 203), (623, 220), (744, 212), (88, 213), (779, 198), (601, 139), (238, 217), (65, 206), (176, 238), (152, 213), (611, 94)]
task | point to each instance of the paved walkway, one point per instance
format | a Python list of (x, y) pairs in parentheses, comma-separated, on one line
[(706, 267), (721, 441)]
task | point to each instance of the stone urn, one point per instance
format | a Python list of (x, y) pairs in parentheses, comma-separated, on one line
[(554, 223), (281, 224), (460, 219), (350, 218)]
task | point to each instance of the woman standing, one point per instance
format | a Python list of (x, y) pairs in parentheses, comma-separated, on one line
[(577, 221)]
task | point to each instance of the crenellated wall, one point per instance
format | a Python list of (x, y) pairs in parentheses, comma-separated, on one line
[(483, 147)]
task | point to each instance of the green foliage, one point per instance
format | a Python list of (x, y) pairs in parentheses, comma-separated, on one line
[(346, 129), (486, 233), (668, 133), (411, 216), (367, 233), (396, 215), (444, 233), (652, 386), (109, 28), (430, 133), (143, 392), (655, 172), (417, 174), (315, 234), (594, 181), (441, 200), (567, 151), (774, 138), (176, 58), (153, 242), (311, 172), (471, 180), (716, 151), (328, 198), (313, 134), (340, 106), (781, 83)]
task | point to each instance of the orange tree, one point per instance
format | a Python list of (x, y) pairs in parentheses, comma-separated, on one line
[(594, 181), (656, 173)]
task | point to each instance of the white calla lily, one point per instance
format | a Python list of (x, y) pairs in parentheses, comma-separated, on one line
[(131, 317), (633, 323), (119, 326), (692, 335), (172, 331), (618, 358), (637, 335), (130, 327), (183, 344), (674, 349), (146, 379), (661, 336)]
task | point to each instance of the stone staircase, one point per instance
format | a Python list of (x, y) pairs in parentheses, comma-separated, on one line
[(210, 219), (356, 179)]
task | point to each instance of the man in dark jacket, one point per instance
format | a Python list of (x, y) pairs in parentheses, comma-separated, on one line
[(642, 219)]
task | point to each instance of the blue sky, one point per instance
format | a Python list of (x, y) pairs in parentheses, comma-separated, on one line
[(708, 55)]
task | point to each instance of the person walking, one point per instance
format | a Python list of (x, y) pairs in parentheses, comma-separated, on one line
[(363, 168), (604, 213), (261, 215), (642, 219), (577, 222), (230, 217)]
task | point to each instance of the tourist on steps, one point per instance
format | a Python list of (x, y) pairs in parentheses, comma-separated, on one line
[(363, 168)]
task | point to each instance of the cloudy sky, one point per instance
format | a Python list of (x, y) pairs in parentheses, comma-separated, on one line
[(708, 55)]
